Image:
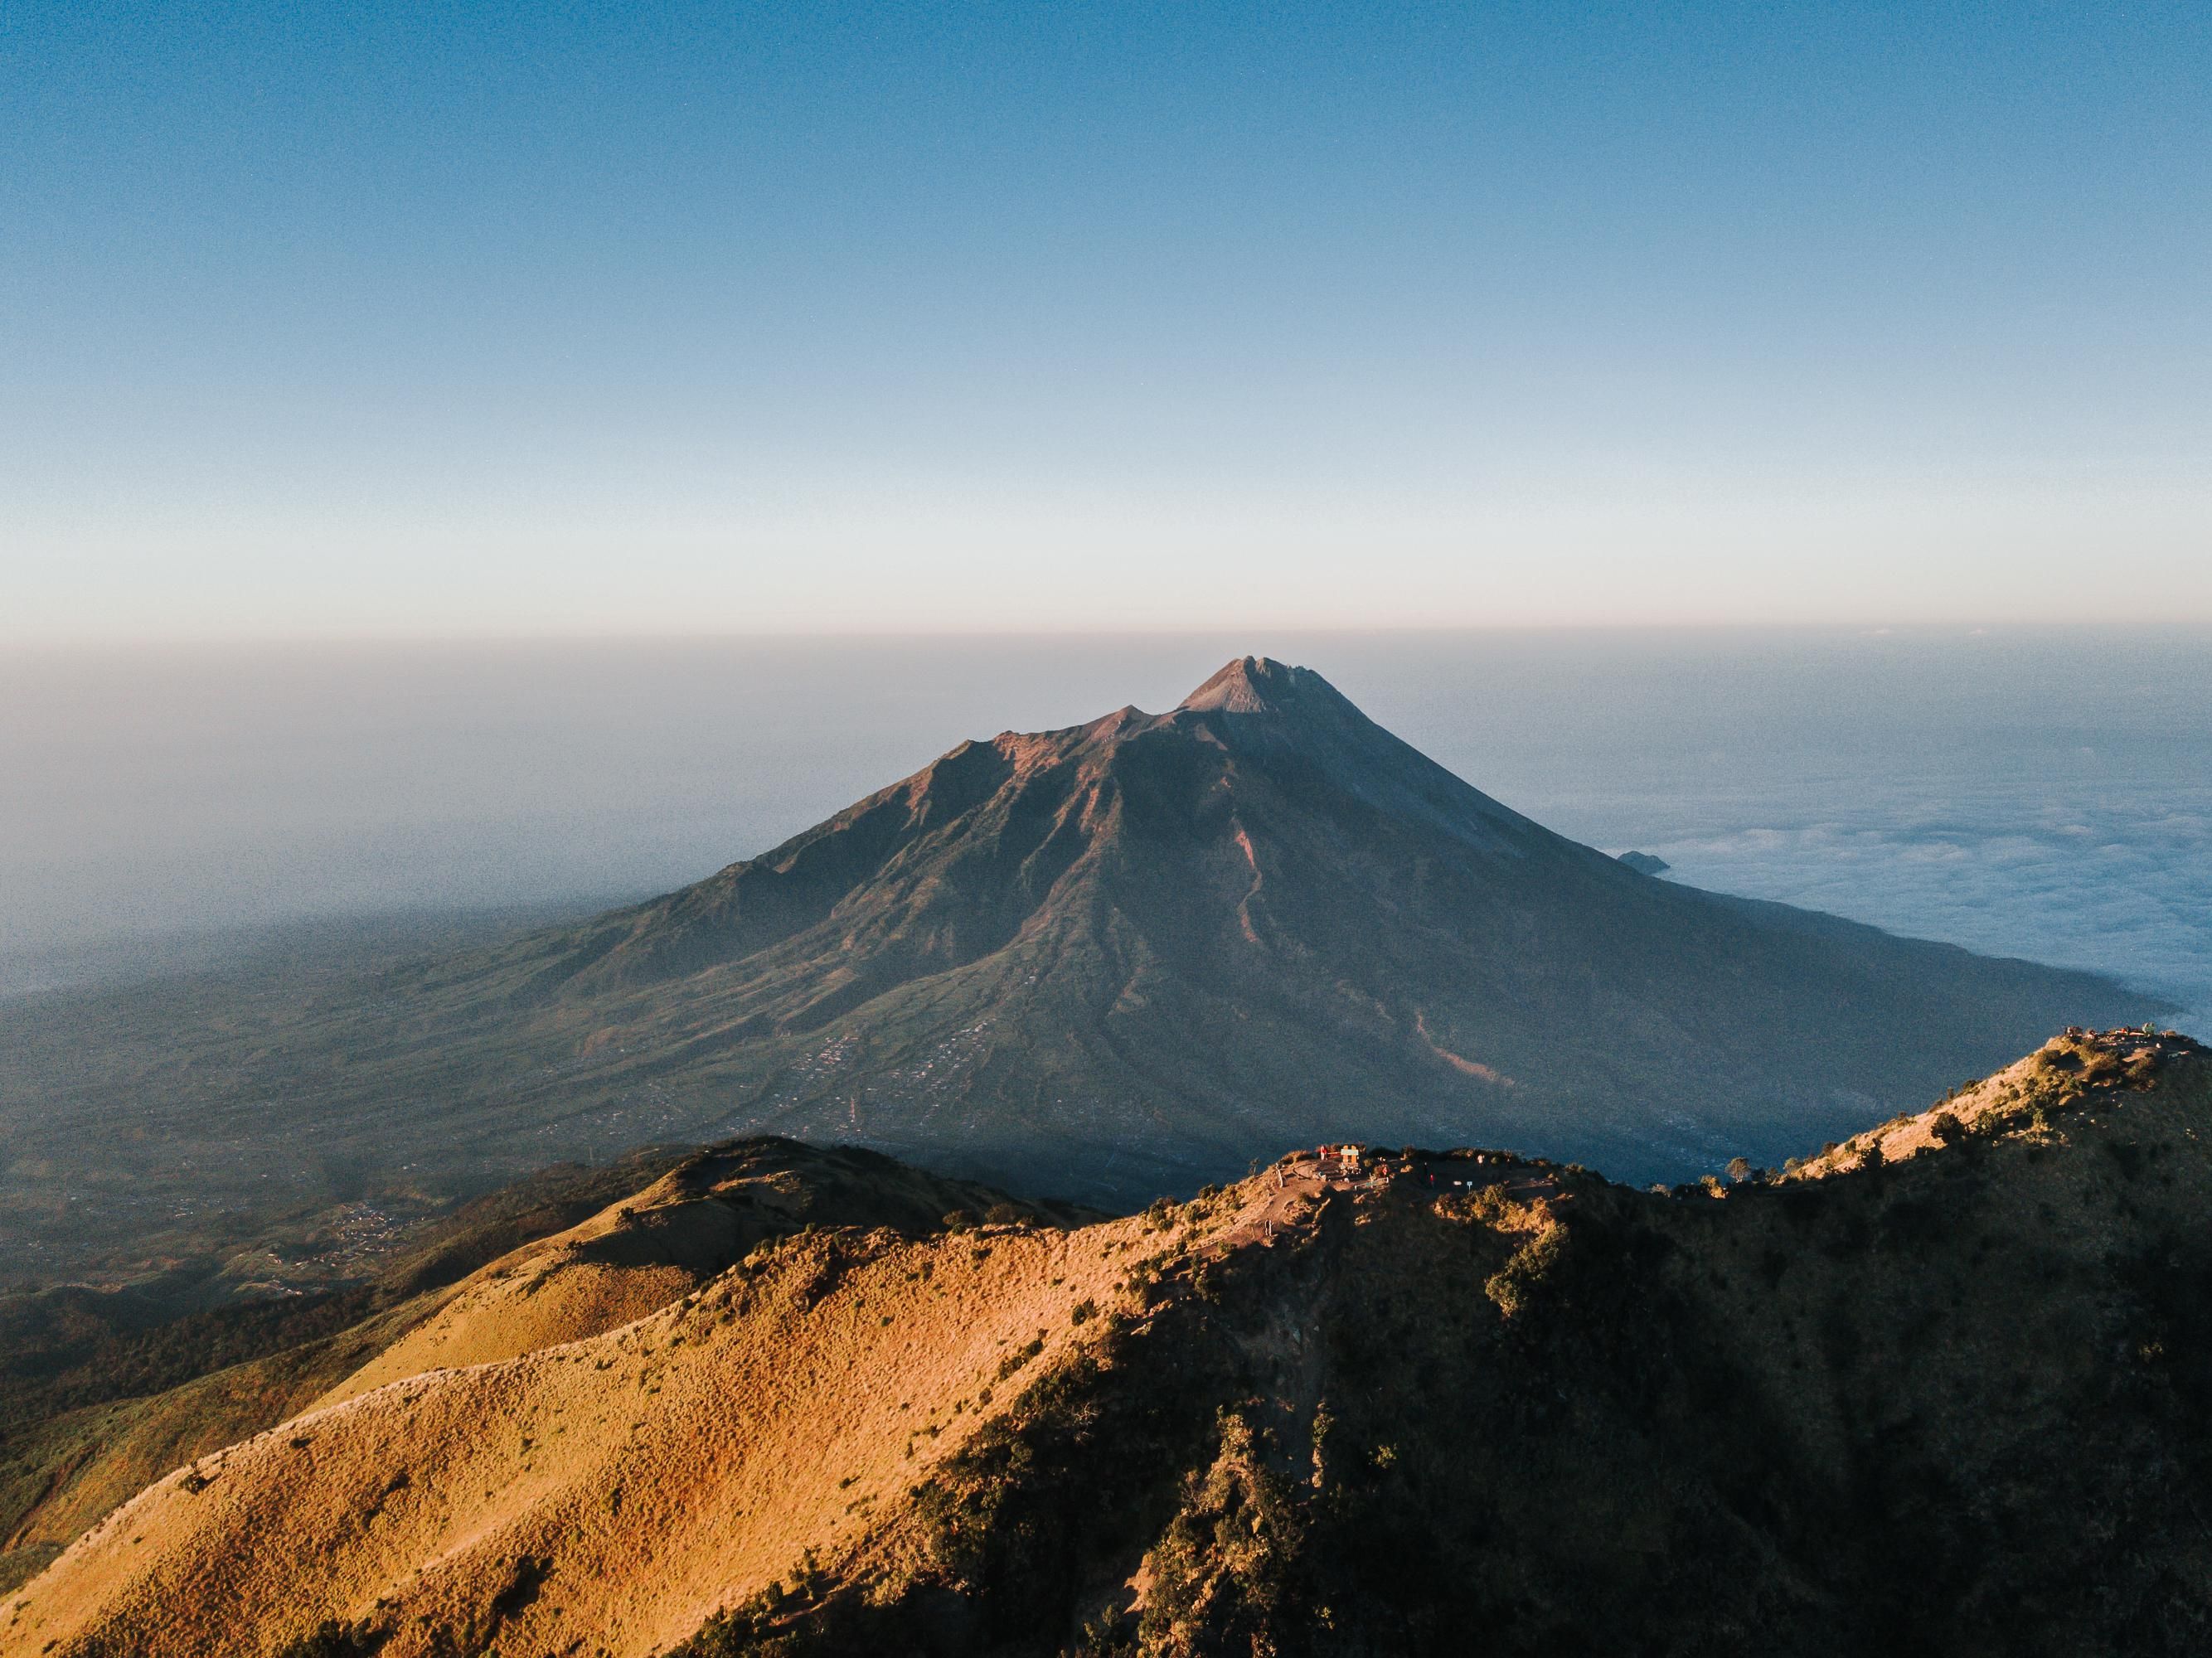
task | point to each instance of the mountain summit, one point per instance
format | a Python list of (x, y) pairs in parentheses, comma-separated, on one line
[(1138, 952), (1260, 684), (1104, 962)]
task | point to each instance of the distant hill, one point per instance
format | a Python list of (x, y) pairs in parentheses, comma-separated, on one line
[(1954, 1395), (1104, 962)]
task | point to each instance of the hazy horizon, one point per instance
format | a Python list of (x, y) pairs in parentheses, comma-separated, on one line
[(2045, 794)]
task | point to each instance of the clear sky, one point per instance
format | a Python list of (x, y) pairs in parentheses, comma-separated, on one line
[(399, 319)]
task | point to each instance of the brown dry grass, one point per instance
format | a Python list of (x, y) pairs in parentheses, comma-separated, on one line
[(2021, 1097), (668, 1467), (1548, 1407)]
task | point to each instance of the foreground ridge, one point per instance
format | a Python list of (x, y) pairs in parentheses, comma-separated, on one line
[(1354, 1403)]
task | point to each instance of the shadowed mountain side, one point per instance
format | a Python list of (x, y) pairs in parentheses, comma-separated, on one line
[(1952, 1398), (1106, 960)]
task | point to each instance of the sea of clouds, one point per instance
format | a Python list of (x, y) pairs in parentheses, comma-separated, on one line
[(2109, 878)]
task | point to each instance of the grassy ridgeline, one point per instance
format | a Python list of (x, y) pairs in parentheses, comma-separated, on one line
[(1951, 1397)]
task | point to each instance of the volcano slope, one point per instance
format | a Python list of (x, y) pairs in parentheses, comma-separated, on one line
[(1954, 1396), (1122, 957), (1108, 961)]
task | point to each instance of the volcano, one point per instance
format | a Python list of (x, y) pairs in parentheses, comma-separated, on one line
[(1130, 955), (1100, 963)]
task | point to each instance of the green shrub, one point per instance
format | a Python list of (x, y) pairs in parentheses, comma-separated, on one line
[(1021, 1356), (332, 1639), (1513, 1287)]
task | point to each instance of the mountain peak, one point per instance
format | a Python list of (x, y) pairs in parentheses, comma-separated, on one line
[(1260, 684)]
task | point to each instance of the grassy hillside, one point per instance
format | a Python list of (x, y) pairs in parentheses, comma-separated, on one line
[(1954, 1398), (99, 1406), (102, 1391)]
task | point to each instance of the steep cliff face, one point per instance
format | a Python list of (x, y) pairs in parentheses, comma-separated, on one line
[(1952, 1398)]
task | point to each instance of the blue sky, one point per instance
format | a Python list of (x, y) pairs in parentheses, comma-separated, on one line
[(435, 320)]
